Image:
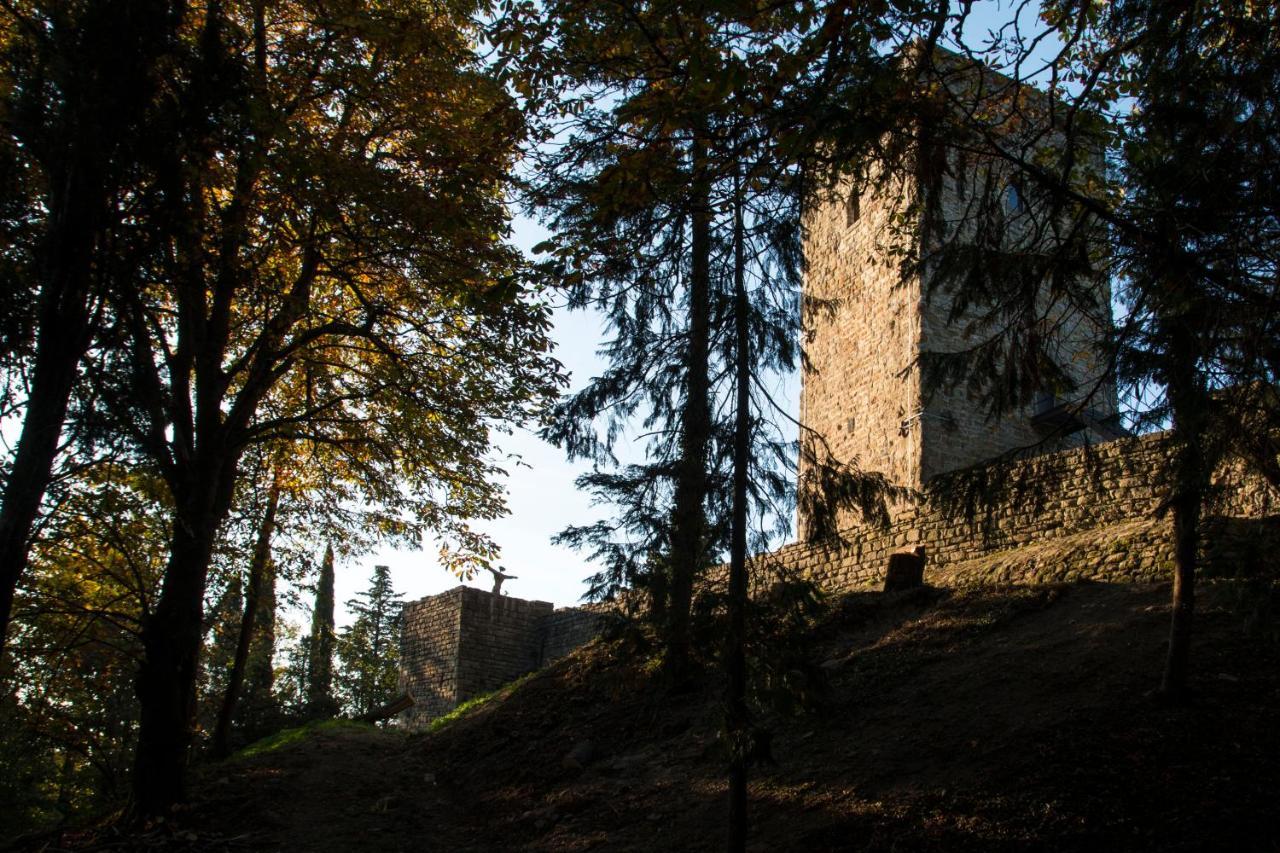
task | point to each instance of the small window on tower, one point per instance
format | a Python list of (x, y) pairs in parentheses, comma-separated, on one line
[(851, 208)]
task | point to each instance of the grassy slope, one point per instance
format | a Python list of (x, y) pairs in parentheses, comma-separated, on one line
[(1007, 719)]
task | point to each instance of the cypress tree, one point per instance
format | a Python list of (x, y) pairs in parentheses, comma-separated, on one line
[(320, 645)]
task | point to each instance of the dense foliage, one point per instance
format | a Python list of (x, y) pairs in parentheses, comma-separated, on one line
[(283, 275)]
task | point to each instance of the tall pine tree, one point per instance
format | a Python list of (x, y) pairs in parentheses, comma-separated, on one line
[(368, 649)]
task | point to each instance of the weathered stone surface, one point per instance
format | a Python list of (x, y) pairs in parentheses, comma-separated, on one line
[(871, 318), (429, 634), (466, 642), (1056, 512)]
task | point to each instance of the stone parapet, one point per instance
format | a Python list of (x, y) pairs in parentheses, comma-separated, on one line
[(466, 642), (1093, 508)]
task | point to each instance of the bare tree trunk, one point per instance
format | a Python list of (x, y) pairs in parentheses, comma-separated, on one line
[(172, 633), (1186, 517), (735, 652), (56, 362), (659, 590), (253, 597), (1188, 403), (688, 524)]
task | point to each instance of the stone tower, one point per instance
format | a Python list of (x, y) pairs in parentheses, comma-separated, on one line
[(868, 325)]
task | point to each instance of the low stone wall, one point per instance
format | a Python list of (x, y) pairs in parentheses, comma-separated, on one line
[(1082, 514), (568, 628), (1091, 508)]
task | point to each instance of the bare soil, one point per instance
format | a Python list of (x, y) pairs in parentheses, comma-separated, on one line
[(1001, 719)]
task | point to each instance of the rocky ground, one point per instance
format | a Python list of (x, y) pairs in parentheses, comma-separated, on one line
[(1003, 719)]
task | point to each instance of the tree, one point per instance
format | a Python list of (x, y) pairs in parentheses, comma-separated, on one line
[(630, 193), (320, 262), (1201, 258), (320, 644), (1151, 162), (255, 649), (79, 87), (674, 178), (70, 721), (367, 649)]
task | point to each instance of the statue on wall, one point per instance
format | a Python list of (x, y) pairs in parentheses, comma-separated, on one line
[(498, 577)]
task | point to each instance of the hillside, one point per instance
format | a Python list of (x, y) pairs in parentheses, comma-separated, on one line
[(1009, 719)]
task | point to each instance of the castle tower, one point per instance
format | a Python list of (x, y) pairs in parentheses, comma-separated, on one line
[(868, 327)]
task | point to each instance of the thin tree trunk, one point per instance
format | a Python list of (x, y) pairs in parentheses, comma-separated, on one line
[(51, 386), (1188, 403), (659, 588), (1186, 517), (688, 532), (257, 575), (736, 656)]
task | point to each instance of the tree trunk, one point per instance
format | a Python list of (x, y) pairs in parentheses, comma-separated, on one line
[(56, 362), (62, 336), (166, 689), (1186, 542), (658, 580), (736, 641), (101, 60), (257, 575), (1188, 403), (688, 526)]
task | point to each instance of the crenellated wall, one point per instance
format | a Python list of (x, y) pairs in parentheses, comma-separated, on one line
[(466, 642)]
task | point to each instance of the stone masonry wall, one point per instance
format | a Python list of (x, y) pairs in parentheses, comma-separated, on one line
[(464, 643), (499, 640), (567, 629), (1075, 327), (1089, 512), (429, 631), (867, 327), (862, 333), (1084, 513)]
